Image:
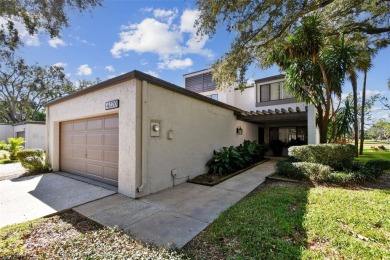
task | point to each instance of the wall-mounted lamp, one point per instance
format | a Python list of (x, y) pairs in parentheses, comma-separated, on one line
[(239, 130)]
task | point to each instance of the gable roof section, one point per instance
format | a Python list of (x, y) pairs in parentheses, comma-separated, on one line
[(135, 74), (267, 79)]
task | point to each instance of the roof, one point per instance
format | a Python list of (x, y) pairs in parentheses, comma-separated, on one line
[(197, 71), (135, 74), (25, 122), (262, 80)]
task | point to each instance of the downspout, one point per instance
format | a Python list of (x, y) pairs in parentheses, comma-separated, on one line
[(144, 135)]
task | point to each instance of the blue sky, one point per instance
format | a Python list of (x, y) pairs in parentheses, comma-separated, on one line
[(156, 37)]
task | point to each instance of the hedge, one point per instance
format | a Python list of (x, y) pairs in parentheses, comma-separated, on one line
[(4, 154), (337, 156), (33, 160)]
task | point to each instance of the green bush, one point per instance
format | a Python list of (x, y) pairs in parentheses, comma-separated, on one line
[(337, 156), (14, 146), (3, 145), (287, 169), (374, 168), (4, 154), (230, 159), (313, 171), (33, 160), (251, 152)]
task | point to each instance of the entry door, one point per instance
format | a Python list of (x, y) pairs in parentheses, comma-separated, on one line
[(261, 136), (89, 148), (22, 134)]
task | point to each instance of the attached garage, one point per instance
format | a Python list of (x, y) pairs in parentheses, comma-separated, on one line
[(139, 132), (89, 147)]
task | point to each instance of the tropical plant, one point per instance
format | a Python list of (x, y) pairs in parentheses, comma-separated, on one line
[(14, 146), (33, 160), (251, 152), (3, 145), (225, 161), (341, 126)]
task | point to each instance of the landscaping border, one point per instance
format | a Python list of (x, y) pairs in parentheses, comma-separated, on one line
[(227, 176)]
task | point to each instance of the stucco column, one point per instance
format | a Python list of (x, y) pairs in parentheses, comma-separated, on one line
[(312, 131)]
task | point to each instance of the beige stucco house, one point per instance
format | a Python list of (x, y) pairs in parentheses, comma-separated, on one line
[(33, 132), (140, 133)]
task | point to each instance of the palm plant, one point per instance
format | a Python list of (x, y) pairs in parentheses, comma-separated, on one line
[(14, 146)]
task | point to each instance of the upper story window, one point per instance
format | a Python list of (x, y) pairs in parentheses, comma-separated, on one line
[(271, 92), (213, 96), (200, 83)]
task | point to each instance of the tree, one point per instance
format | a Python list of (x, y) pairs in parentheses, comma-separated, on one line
[(343, 120), (380, 130), (259, 25), (37, 15), (24, 89), (315, 70)]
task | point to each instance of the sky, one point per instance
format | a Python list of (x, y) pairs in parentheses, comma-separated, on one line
[(155, 37)]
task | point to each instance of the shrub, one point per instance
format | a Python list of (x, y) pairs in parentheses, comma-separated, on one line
[(337, 156), (374, 168), (287, 169), (313, 171), (4, 154), (229, 159), (3, 145), (225, 161), (251, 152), (14, 146), (276, 147), (33, 160)]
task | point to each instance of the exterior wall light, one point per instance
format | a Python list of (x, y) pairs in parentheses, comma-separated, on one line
[(239, 130)]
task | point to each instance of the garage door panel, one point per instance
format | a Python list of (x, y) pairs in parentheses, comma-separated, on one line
[(95, 170), (99, 139), (96, 124), (80, 139), (111, 140), (111, 123), (66, 127), (95, 155), (111, 156), (111, 173), (80, 126), (95, 139)]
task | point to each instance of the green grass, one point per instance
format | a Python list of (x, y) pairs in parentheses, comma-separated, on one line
[(369, 154), (6, 161), (303, 223)]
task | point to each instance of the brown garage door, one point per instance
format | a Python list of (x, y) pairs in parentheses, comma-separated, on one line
[(89, 147)]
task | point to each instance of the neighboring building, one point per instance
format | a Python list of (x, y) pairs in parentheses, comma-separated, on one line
[(266, 103), (140, 133), (33, 133)]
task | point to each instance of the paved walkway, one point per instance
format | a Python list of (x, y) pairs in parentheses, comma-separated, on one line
[(11, 170), (174, 216), (32, 197)]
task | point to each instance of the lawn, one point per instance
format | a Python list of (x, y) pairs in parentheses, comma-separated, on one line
[(370, 154), (301, 223)]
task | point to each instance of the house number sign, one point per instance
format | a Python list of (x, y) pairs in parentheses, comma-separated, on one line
[(112, 104)]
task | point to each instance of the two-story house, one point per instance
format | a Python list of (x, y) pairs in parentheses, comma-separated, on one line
[(267, 103)]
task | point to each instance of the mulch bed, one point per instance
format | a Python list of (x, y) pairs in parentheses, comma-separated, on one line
[(214, 179)]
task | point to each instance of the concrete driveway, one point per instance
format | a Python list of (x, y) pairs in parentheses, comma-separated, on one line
[(32, 197)]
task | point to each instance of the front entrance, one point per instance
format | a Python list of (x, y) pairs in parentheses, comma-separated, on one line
[(90, 147)]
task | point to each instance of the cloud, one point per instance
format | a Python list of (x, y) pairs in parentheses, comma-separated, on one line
[(152, 73), (148, 36), (162, 36), (25, 37), (60, 64), (84, 41), (55, 42), (110, 68), (84, 70), (370, 93), (144, 62), (175, 64)]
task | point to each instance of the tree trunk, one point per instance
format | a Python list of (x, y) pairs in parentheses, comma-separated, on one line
[(328, 99), (363, 111), (353, 78)]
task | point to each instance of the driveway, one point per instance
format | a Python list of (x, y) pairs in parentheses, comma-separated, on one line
[(28, 198)]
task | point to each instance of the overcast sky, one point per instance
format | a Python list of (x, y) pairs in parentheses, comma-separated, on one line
[(156, 37)]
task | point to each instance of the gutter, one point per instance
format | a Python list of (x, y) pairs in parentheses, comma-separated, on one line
[(144, 135)]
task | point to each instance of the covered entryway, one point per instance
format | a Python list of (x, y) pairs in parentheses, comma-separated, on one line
[(89, 147)]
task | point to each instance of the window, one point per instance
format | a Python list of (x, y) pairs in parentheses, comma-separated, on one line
[(287, 134), (213, 96), (273, 91)]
